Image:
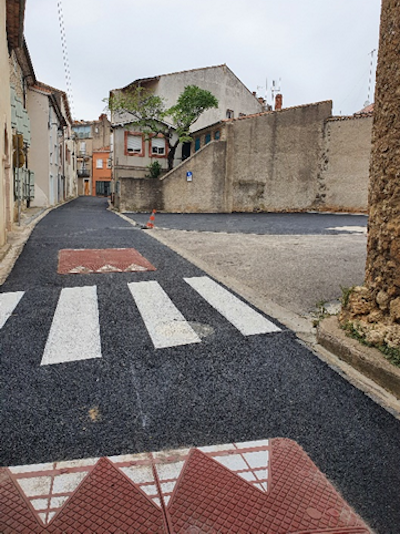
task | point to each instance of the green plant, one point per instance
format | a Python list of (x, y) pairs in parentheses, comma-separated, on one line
[(346, 292), (149, 113), (154, 169), (392, 354), (320, 312)]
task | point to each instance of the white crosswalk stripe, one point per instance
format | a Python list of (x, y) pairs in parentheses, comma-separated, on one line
[(244, 318), (75, 330), (8, 303), (164, 322)]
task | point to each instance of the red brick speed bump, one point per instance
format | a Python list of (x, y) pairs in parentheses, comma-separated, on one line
[(107, 260), (265, 487)]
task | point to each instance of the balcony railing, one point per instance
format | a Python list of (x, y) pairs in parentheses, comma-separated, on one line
[(83, 173)]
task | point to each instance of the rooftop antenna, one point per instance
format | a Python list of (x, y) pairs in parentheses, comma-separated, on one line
[(67, 70), (368, 101), (275, 89)]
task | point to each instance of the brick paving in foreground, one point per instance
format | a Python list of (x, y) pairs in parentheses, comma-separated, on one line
[(269, 487)]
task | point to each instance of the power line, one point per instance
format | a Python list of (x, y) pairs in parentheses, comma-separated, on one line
[(67, 70)]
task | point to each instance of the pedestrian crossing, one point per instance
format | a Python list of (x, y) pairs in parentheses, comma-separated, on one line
[(165, 324), (8, 303), (75, 330)]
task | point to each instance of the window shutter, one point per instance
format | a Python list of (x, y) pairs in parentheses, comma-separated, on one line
[(158, 145), (134, 144)]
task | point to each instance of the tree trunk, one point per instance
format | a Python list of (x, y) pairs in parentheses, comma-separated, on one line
[(171, 156), (379, 301)]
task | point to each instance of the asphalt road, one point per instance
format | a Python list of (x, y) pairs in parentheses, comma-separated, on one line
[(260, 223), (229, 387)]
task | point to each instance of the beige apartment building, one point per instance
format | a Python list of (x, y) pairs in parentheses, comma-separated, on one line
[(52, 149), (8, 36), (133, 151)]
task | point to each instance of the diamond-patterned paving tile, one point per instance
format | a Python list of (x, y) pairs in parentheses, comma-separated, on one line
[(111, 260), (249, 460), (48, 486), (211, 498), (206, 495), (15, 513), (268, 487), (301, 497), (105, 499), (139, 469), (168, 466)]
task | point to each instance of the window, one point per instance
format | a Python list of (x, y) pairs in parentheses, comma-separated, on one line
[(158, 146), (134, 144), (207, 139), (217, 135), (83, 147), (99, 164), (197, 144), (230, 114), (82, 131), (109, 163)]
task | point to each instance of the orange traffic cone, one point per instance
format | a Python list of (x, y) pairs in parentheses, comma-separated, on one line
[(150, 223)]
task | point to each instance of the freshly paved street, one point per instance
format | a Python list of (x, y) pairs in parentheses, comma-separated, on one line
[(203, 379)]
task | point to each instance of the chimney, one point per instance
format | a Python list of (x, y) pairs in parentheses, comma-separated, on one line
[(278, 102), (254, 93)]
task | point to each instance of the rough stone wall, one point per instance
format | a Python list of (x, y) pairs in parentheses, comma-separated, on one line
[(343, 180), (139, 194), (383, 257), (273, 159), (373, 310), (16, 76), (207, 191)]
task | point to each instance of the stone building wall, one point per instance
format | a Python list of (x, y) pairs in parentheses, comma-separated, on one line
[(343, 180), (273, 159), (138, 194), (207, 190), (296, 159), (6, 197)]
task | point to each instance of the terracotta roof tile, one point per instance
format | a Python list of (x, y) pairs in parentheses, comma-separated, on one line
[(276, 111)]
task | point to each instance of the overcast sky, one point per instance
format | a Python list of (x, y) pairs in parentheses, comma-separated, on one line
[(320, 49)]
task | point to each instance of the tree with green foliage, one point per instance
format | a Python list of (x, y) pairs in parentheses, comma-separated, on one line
[(149, 112)]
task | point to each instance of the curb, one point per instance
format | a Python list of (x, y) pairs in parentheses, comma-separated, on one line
[(367, 360)]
